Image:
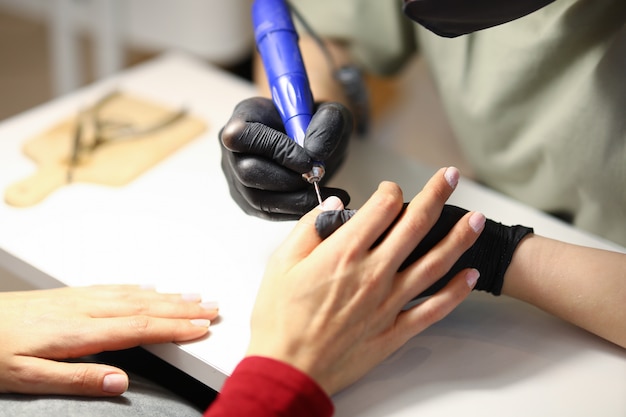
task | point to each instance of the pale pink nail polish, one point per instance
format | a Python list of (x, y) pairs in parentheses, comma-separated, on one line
[(452, 176), (477, 221), (210, 305), (332, 203), (115, 384), (201, 322), (191, 297), (472, 277)]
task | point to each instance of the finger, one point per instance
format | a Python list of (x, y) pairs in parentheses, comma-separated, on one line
[(259, 109), (303, 238), (291, 205), (255, 109), (248, 198), (90, 336), (259, 173), (421, 316), (259, 139), (117, 301), (371, 220), (179, 309), (440, 259), (419, 217), (328, 133), (285, 205), (138, 330), (42, 376)]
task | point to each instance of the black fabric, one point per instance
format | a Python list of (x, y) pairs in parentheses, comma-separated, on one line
[(451, 18), (491, 254)]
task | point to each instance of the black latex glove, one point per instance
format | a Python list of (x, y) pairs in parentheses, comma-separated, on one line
[(264, 167), (491, 254)]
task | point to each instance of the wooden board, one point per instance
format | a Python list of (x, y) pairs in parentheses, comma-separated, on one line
[(114, 163)]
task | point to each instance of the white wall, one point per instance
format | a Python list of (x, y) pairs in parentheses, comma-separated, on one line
[(218, 30)]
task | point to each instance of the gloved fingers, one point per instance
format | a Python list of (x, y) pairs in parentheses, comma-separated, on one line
[(274, 205), (254, 138), (256, 172), (255, 127), (264, 167), (260, 110), (329, 131)]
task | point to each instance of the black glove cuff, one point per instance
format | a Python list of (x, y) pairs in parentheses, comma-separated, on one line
[(491, 254)]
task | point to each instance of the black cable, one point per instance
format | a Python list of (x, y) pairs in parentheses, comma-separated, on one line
[(348, 76)]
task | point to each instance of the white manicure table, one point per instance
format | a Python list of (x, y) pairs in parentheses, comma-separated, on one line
[(176, 227)]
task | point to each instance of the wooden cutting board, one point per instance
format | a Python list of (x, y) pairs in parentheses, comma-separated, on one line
[(114, 163)]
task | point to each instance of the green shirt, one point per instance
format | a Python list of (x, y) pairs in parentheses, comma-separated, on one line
[(538, 105)]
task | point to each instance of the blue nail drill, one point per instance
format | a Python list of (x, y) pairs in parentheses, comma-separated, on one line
[(277, 43)]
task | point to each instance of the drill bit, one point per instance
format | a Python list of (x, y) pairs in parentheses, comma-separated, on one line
[(313, 177), (317, 191)]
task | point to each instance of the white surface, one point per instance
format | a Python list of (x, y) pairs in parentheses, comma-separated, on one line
[(176, 227)]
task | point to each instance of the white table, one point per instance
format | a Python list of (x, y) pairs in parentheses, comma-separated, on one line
[(493, 356)]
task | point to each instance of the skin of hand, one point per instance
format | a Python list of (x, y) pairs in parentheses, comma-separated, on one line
[(585, 286), (335, 308), (39, 329)]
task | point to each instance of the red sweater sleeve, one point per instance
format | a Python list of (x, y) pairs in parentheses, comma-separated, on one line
[(264, 387)]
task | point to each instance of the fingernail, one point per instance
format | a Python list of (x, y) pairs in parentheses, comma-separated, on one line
[(477, 221), (472, 277), (332, 203), (210, 305), (115, 383), (191, 297), (452, 176), (201, 322)]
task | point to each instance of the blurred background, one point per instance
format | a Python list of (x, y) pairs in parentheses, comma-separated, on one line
[(51, 47)]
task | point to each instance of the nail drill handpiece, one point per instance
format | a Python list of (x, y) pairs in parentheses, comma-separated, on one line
[(277, 43)]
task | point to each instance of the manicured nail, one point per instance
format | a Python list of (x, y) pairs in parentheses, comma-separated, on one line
[(191, 297), (115, 384), (472, 277), (452, 176), (332, 203), (210, 305), (201, 322), (477, 221)]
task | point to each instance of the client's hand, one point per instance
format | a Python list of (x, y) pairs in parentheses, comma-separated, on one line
[(41, 328), (335, 308)]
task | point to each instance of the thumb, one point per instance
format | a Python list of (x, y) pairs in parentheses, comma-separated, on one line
[(42, 376), (328, 132)]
